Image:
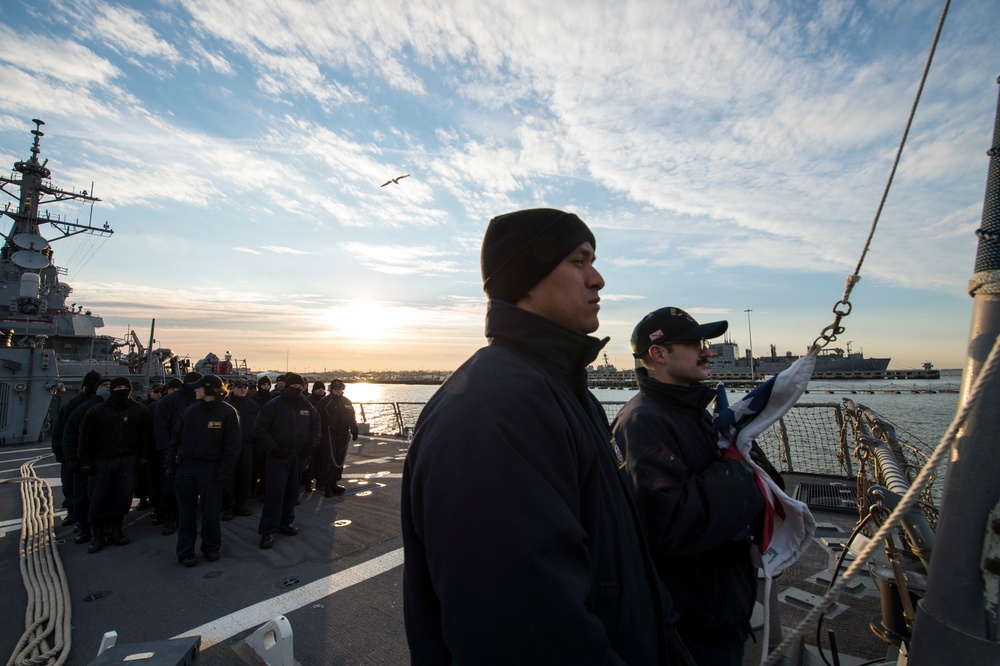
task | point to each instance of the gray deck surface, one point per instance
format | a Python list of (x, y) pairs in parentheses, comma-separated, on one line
[(144, 594)]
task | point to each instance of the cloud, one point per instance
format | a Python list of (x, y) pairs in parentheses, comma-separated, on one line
[(402, 259)]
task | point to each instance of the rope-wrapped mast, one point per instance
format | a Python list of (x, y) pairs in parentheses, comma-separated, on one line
[(958, 618)]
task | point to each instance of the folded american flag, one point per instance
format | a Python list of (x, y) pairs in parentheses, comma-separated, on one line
[(788, 524)]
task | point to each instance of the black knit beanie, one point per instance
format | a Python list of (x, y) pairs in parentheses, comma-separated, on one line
[(521, 248), (121, 381), (91, 380)]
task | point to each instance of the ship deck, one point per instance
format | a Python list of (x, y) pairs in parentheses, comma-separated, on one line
[(338, 582)]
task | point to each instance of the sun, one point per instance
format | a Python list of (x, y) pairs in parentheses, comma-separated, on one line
[(360, 321)]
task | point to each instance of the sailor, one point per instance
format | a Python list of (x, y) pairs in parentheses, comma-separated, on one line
[(340, 426), (167, 414), (521, 538), (261, 397), (154, 393), (114, 435), (70, 444), (143, 483), (309, 466), (699, 508), (89, 385), (235, 494), (263, 393), (174, 384), (279, 386), (287, 430), (204, 448)]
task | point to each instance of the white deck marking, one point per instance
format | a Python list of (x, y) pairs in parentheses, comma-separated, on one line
[(253, 616)]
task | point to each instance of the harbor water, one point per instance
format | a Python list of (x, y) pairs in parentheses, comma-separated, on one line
[(922, 409)]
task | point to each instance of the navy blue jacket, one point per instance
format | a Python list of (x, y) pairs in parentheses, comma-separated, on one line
[(167, 413), (59, 423), (338, 415), (112, 428), (286, 427), (694, 504), (71, 431), (207, 431), (522, 541), (248, 409)]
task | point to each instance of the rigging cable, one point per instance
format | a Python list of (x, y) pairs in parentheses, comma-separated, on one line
[(842, 309), (908, 502), (831, 332)]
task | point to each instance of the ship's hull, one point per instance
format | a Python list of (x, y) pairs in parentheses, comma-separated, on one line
[(827, 367)]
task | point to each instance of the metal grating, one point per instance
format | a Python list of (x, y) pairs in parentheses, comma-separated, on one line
[(829, 496)]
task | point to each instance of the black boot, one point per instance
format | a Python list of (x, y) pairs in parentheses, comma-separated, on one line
[(169, 525), (116, 536), (83, 536), (99, 539)]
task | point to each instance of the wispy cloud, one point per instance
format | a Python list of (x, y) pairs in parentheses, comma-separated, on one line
[(711, 146)]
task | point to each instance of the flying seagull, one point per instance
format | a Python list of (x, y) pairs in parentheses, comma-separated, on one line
[(394, 180)]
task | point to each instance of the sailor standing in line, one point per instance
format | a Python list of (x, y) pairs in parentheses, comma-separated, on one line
[(71, 449), (168, 412), (235, 494), (89, 385), (261, 396), (203, 452), (143, 487), (287, 430), (340, 427), (114, 436), (310, 469)]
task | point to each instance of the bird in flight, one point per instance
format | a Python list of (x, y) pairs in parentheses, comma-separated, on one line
[(394, 180)]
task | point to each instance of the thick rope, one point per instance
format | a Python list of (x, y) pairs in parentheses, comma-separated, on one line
[(985, 282), (831, 332), (909, 501), (48, 611)]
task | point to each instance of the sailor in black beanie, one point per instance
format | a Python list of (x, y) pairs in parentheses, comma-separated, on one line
[(513, 487), (87, 388)]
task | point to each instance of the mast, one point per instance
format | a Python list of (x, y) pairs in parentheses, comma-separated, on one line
[(957, 621), (35, 190)]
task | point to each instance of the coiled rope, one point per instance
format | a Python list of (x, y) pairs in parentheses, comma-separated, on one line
[(909, 501), (46, 638)]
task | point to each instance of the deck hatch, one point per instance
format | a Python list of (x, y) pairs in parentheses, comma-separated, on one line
[(829, 496)]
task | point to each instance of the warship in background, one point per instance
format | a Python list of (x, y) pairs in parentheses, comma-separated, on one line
[(48, 345), (728, 364)]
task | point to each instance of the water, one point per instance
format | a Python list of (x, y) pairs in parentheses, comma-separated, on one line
[(922, 415)]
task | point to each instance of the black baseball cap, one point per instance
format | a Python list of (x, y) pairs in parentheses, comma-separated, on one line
[(208, 381), (672, 325)]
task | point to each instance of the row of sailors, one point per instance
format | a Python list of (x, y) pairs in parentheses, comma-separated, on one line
[(197, 439)]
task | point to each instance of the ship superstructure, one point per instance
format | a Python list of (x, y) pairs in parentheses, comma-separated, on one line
[(48, 345)]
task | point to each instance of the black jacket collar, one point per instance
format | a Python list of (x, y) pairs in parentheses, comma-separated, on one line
[(694, 398), (559, 350)]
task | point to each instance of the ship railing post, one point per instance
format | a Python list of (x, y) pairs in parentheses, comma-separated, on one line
[(845, 451), (399, 418), (786, 448)]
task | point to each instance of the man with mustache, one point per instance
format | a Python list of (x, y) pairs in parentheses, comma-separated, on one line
[(699, 509)]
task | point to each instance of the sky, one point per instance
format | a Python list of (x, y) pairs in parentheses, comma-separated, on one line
[(728, 156)]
